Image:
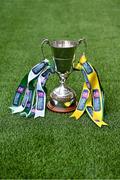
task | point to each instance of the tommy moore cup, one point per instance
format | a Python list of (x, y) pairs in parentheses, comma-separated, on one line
[(62, 98)]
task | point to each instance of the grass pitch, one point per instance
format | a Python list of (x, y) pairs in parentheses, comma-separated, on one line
[(57, 146)]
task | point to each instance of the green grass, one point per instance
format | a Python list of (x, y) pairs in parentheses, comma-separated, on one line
[(56, 146)]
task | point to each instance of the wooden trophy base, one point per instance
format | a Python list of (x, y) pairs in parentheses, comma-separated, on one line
[(60, 109)]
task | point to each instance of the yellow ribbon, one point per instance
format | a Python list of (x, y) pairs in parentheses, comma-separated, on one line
[(92, 98)]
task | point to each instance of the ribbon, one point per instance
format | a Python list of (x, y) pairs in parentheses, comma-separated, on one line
[(92, 96), (24, 99), (30, 99), (40, 94), (19, 92)]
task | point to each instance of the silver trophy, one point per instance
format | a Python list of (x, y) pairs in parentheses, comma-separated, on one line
[(62, 98)]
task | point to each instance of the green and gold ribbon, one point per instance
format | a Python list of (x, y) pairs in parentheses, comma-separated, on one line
[(30, 100)]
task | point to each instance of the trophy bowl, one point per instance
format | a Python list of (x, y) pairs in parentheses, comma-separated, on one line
[(62, 98)]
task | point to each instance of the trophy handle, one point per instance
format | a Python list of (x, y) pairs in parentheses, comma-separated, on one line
[(84, 41), (45, 41), (78, 43)]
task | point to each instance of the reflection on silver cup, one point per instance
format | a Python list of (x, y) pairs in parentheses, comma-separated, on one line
[(62, 98)]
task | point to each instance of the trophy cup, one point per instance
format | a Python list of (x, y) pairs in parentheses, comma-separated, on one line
[(62, 98)]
